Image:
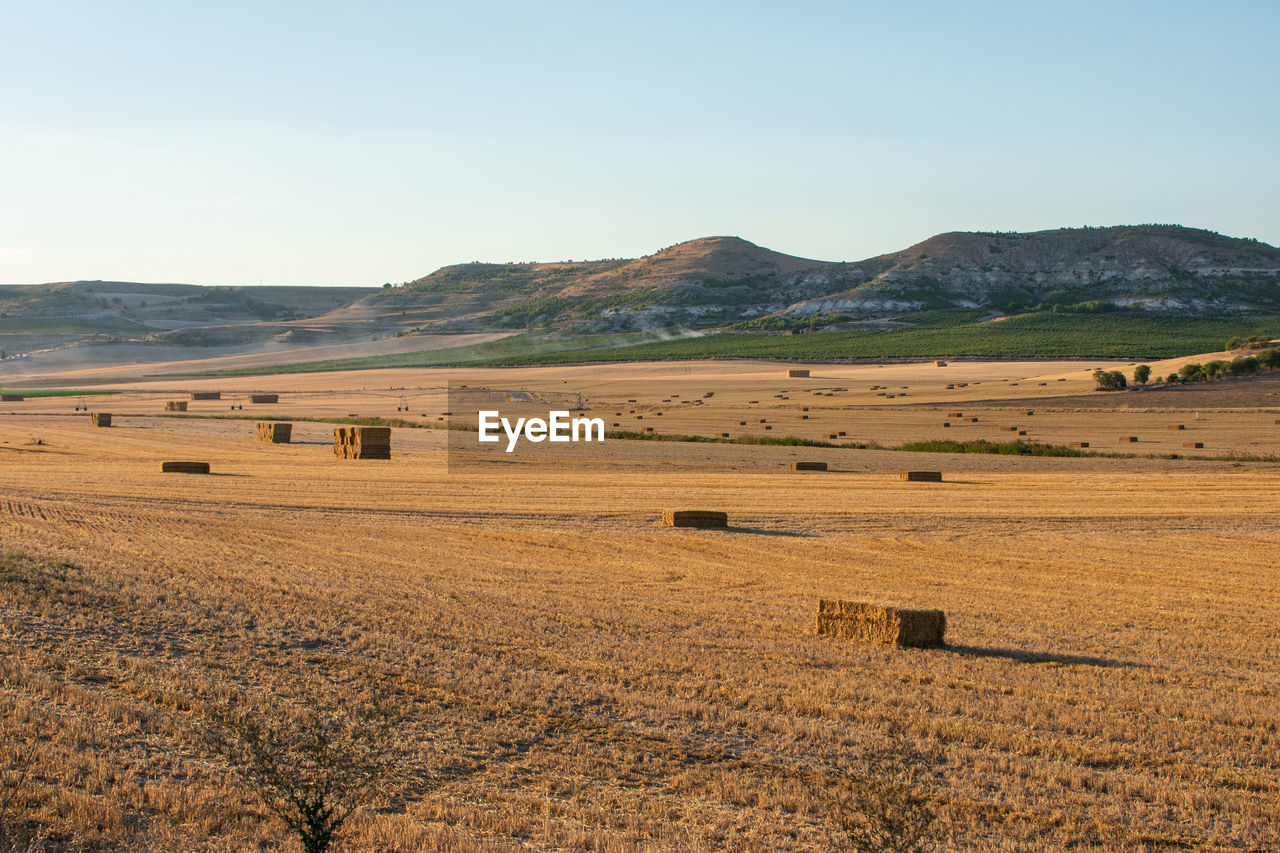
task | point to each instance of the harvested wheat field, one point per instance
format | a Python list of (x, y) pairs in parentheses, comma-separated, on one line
[(538, 663)]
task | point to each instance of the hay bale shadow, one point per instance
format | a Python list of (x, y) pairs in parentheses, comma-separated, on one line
[(1024, 656), (764, 531)]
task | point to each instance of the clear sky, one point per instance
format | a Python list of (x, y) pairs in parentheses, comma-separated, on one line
[(340, 143)]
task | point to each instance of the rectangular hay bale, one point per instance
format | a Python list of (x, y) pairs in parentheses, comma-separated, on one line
[(11, 398), (206, 395), (694, 518), (272, 432), (921, 476), (175, 406), (100, 419), (875, 623), (362, 442), (184, 467), (798, 373), (264, 398), (808, 466)]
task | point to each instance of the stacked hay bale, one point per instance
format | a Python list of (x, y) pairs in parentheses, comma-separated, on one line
[(11, 398), (184, 467), (921, 476), (275, 433), (264, 398), (206, 395), (694, 518), (939, 364), (100, 419), (798, 373), (808, 466), (362, 442), (874, 623), (175, 406)]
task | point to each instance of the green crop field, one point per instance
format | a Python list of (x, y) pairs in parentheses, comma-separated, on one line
[(55, 392), (949, 334), (1041, 335)]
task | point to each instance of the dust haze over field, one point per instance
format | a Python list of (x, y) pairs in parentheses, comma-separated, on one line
[(561, 672)]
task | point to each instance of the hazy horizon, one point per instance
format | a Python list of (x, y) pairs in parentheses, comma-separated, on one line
[(586, 259), (319, 145)]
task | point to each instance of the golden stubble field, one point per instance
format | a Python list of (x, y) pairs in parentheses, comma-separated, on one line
[(569, 675)]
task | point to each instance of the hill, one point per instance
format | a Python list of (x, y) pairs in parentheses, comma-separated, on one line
[(39, 316), (1143, 276), (722, 281), (113, 305)]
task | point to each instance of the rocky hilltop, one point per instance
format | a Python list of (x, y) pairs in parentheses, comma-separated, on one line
[(717, 281)]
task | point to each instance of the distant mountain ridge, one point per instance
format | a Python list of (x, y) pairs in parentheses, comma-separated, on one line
[(726, 280), (707, 283)]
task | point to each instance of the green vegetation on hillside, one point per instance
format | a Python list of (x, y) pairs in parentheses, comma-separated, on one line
[(1042, 335), (946, 334), (54, 392), (1264, 362)]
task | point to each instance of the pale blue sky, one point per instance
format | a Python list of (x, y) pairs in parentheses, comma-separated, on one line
[(341, 143)]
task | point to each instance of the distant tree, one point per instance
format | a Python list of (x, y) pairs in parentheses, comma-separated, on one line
[(1109, 380), (1141, 374), (386, 286), (1244, 366), (1191, 372), (1214, 369)]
